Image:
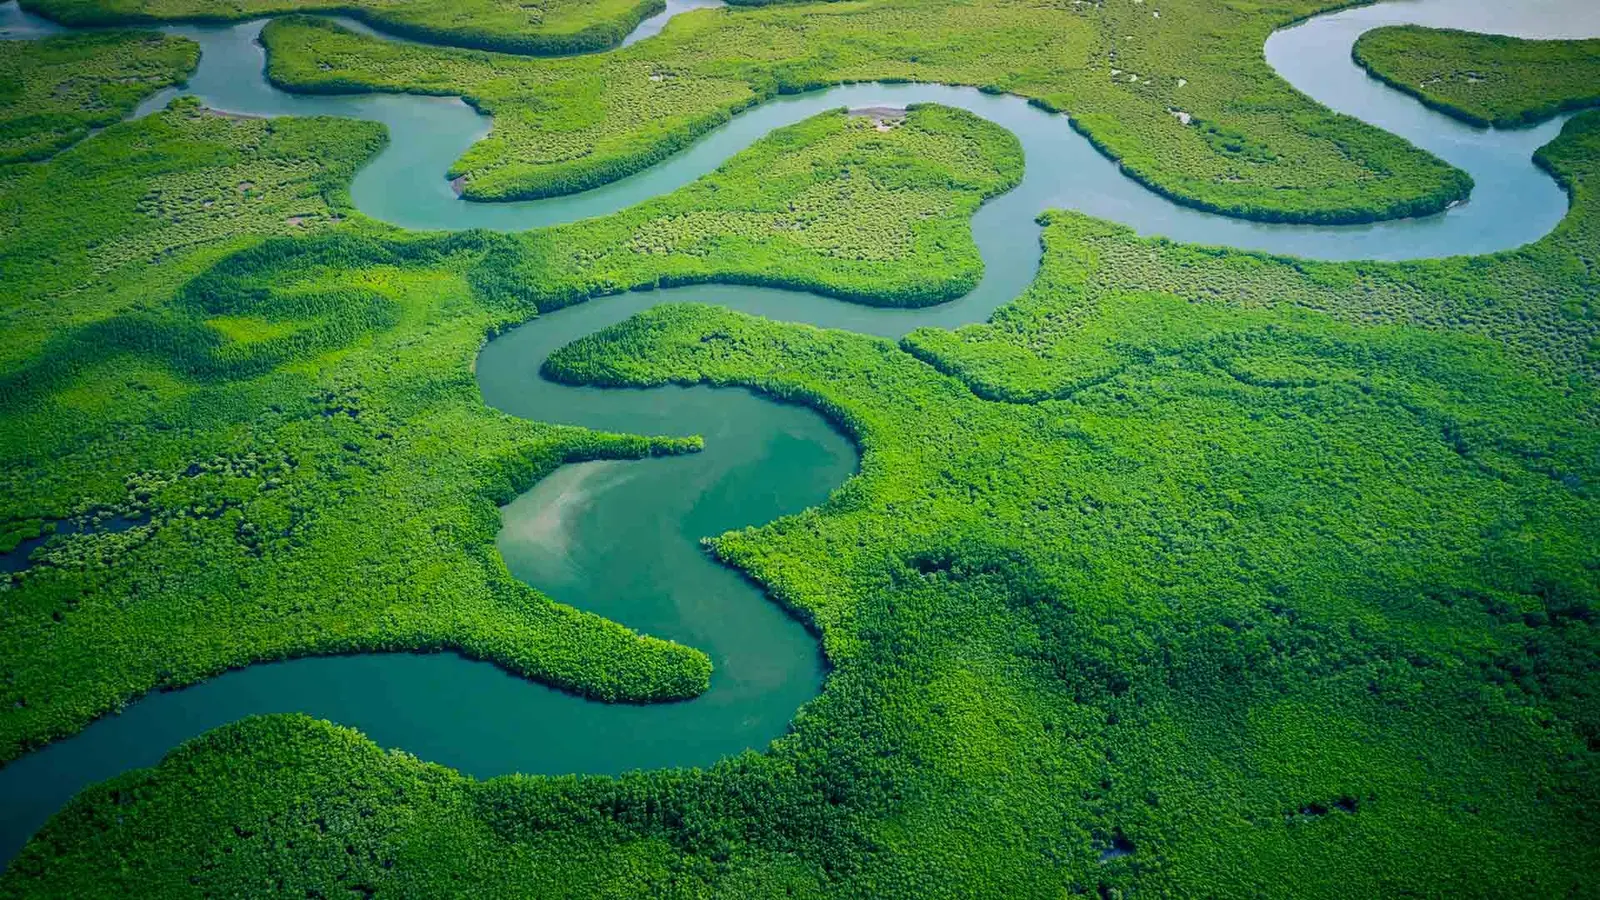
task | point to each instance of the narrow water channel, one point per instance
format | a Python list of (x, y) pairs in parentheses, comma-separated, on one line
[(621, 538)]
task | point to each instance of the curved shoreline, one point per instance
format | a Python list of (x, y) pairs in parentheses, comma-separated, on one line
[(1526, 118), (442, 698), (1513, 202), (593, 38)]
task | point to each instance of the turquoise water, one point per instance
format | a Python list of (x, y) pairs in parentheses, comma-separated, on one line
[(652, 26), (621, 538)]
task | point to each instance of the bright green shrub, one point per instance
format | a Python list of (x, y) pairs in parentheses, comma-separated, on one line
[(1485, 79), (830, 205), (54, 90)]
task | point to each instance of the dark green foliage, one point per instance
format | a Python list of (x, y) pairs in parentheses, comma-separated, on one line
[(271, 289), (52, 91), (1485, 79), (151, 201), (566, 125)]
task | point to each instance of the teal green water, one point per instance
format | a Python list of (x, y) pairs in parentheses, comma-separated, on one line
[(621, 538)]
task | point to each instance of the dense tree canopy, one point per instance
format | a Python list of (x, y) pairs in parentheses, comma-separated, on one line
[(1486, 79)]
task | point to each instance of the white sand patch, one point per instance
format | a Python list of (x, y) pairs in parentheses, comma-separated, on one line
[(884, 118), (558, 501)]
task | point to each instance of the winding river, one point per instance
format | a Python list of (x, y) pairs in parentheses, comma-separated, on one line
[(621, 538)]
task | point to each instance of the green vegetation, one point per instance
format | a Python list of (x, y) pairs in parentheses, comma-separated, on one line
[(1252, 146), (295, 424), (833, 205), (510, 26), (1485, 79), (1284, 604), (53, 91), (1279, 578), (1538, 300), (154, 202)]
